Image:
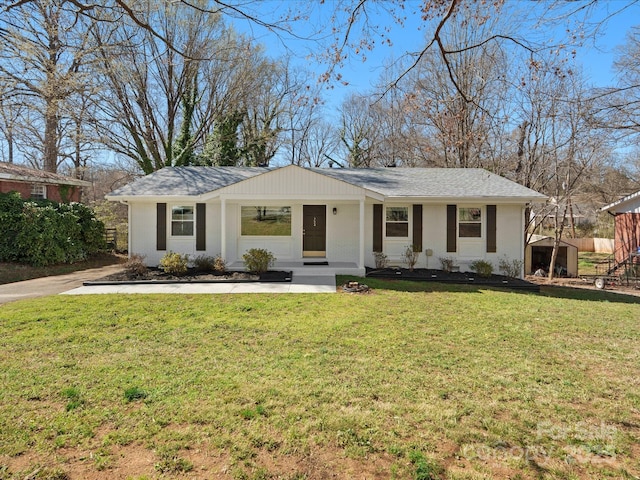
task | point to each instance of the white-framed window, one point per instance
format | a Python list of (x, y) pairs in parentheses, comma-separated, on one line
[(397, 222), (268, 221), (38, 191), (182, 221), (470, 222)]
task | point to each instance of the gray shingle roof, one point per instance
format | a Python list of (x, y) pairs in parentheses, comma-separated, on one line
[(186, 181), (432, 182), (12, 171), (390, 182)]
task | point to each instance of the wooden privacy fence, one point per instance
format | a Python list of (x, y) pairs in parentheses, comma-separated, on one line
[(598, 245)]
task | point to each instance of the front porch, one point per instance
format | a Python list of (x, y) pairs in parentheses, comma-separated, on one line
[(299, 268)]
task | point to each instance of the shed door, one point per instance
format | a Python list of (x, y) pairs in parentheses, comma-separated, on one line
[(314, 230)]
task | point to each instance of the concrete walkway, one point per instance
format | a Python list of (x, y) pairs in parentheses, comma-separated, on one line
[(298, 284), (71, 284)]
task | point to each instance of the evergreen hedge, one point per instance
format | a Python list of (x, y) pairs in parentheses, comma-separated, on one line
[(42, 232)]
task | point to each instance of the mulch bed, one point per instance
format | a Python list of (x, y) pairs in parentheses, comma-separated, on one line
[(459, 278), (155, 275)]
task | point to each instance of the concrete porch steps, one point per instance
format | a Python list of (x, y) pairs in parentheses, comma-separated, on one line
[(298, 268)]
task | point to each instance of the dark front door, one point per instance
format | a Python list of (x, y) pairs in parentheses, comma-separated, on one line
[(314, 230)]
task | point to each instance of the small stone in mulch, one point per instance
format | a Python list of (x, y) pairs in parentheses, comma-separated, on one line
[(355, 287)]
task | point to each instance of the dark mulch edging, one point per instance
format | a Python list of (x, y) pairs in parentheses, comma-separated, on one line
[(158, 277), (459, 278)]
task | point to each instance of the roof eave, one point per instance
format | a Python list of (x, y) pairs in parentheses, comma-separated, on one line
[(621, 201), (477, 198), (49, 181), (153, 198)]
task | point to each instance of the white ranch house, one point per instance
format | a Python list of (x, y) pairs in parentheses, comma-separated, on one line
[(338, 216)]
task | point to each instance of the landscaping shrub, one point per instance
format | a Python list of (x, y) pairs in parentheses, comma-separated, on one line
[(207, 263), (511, 268), (219, 265), (10, 225), (92, 230), (135, 265), (410, 256), (204, 263), (43, 233), (381, 259), (482, 268), (258, 260), (174, 263), (446, 263)]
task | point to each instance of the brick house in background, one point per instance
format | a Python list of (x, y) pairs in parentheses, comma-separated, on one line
[(38, 184), (627, 225)]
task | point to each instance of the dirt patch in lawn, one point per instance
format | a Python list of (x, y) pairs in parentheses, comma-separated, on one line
[(204, 462)]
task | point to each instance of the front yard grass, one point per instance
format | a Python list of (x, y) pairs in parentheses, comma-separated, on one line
[(413, 381)]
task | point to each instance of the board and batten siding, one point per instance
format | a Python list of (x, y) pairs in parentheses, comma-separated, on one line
[(291, 183)]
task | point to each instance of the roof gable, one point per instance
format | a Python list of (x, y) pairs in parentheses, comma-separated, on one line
[(293, 180)]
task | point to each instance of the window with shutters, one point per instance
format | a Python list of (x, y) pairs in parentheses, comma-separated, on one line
[(397, 222), (182, 221), (470, 222)]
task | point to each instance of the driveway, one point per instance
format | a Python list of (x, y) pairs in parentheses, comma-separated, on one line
[(45, 286)]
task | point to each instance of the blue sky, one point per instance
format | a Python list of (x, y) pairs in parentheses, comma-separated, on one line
[(596, 56)]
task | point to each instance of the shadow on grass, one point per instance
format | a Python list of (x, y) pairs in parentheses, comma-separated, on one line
[(545, 290), (585, 294)]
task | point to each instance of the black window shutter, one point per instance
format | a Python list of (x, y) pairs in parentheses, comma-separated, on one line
[(417, 228), (377, 228), (201, 226), (452, 211), (161, 230), (492, 246)]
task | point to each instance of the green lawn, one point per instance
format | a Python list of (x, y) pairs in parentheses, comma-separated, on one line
[(409, 382)]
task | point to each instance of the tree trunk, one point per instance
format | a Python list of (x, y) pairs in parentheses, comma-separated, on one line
[(50, 163), (572, 223), (556, 241), (10, 147)]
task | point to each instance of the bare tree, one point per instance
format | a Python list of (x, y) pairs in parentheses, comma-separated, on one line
[(578, 148), (148, 84), (466, 118), (618, 106), (44, 45), (359, 132), (353, 33), (300, 116), (11, 107)]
